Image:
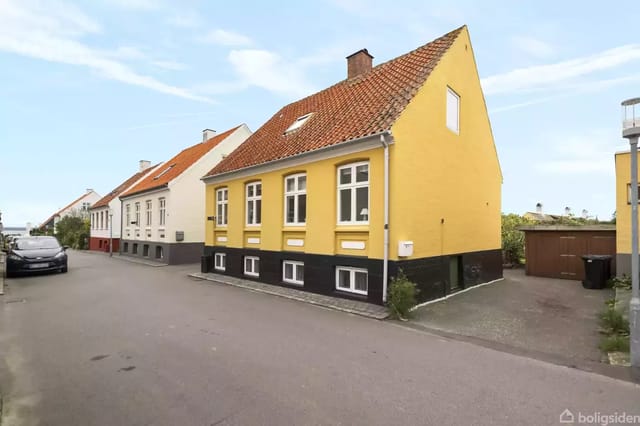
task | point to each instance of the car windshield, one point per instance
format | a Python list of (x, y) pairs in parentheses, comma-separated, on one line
[(36, 243)]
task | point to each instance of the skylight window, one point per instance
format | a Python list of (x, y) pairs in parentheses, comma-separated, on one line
[(298, 123), (164, 171)]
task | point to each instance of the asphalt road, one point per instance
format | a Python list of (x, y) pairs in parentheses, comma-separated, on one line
[(115, 343)]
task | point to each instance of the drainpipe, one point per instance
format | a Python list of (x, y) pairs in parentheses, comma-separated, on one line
[(385, 264), (121, 228)]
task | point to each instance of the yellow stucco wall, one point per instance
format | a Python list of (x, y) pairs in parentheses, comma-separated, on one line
[(321, 234), (439, 175), (435, 174), (623, 208)]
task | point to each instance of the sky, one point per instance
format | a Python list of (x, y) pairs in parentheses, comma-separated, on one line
[(89, 88)]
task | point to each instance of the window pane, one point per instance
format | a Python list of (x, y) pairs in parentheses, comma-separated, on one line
[(219, 195), (291, 184), (258, 211), (223, 261), (250, 190), (249, 211), (302, 183), (300, 273), (225, 195), (302, 208), (361, 281), (224, 214), (288, 271), (290, 211), (219, 213), (345, 175), (217, 261), (362, 204), (247, 264), (362, 173), (256, 266), (453, 109), (259, 189), (343, 279), (345, 205)]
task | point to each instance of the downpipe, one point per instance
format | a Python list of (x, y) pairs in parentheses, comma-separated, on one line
[(385, 263)]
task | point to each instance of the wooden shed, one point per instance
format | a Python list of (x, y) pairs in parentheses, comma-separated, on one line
[(556, 251)]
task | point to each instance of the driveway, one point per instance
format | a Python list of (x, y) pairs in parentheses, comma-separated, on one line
[(541, 317)]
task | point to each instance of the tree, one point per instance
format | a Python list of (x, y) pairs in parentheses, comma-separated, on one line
[(512, 238), (73, 231)]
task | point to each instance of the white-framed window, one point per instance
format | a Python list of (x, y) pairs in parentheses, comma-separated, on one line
[(162, 206), (353, 194), (252, 266), (354, 280), (101, 220), (293, 272), (254, 203), (222, 206), (127, 213), (453, 110), (298, 123), (220, 261), (148, 211), (137, 213), (295, 199)]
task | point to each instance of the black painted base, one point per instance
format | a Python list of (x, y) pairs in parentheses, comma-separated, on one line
[(171, 253), (434, 275)]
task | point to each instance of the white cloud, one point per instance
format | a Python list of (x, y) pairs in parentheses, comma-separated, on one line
[(269, 71), (226, 38), (182, 19), (170, 65), (136, 4), (583, 154), (533, 46), (28, 29), (547, 77)]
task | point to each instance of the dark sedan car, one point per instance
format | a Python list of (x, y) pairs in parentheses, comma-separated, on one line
[(35, 254)]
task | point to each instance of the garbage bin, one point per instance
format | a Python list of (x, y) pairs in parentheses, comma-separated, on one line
[(597, 270), (206, 264)]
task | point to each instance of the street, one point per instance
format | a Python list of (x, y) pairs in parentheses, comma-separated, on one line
[(117, 343)]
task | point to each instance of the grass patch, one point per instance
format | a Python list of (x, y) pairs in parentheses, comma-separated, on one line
[(615, 343), (612, 322)]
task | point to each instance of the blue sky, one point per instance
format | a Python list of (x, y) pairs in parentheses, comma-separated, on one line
[(89, 88)]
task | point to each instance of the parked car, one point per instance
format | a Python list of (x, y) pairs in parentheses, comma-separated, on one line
[(35, 254)]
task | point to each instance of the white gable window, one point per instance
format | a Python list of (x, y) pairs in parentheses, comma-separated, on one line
[(222, 206), (453, 110), (295, 199), (353, 194), (254, 203), (298, 123)]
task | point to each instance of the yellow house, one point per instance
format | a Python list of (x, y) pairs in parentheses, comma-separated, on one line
[(623, 213), (392, 168)]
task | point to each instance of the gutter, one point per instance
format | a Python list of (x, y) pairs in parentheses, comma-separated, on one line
[(385, 262)]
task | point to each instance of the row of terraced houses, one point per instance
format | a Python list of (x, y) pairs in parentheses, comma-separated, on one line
[(392, 168)]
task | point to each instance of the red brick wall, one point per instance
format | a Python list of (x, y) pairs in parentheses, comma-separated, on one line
[(102, 244)]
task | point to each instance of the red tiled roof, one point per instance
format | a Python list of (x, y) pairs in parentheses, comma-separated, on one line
[(50, 218), (364, 105), (177, 164), (104, 201)]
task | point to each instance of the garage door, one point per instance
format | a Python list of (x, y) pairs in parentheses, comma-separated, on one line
[(558, 254)]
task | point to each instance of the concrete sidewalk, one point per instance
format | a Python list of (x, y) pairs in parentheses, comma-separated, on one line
[(532, 314)]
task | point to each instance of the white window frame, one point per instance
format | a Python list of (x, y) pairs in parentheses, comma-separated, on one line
[(252, 271), (149, 210), (137, 214), (352, 187), (295, 265), (101, 220), (298, 123), (127, 209), (253, 221), (220, 261), (162, 210), (352, 279), (295, 193), (222, 206), (453, 96)]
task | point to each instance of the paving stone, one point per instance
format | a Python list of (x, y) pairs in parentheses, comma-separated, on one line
[(352, 306)]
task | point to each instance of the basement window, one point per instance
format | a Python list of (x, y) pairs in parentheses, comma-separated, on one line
[(298, 123)]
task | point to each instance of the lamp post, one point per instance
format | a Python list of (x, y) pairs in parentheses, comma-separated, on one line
[(631, 131), (110, 232)]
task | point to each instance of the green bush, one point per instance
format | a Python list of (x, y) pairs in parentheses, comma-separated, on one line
[(623, 282), (615, 343), (612, 322), (402, 296)]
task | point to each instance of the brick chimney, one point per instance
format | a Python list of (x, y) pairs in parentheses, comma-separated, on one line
[(144, 165), (207, 134), (359, 63)]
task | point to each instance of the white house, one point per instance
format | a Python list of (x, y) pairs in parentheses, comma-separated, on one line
[(79, 206), (163, 212), (106, 214)]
